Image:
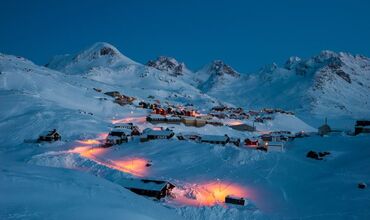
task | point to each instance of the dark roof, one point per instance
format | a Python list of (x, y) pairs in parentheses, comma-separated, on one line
[(145, 184)]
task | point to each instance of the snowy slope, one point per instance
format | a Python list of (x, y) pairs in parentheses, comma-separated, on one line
[(158, 79), (325, 85), (99, 54), (72, 179)]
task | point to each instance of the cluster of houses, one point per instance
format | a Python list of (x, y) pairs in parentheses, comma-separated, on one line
[(120, 134), (179, 111), (226, 112), (120, 98), (273, 141), (198, 121)]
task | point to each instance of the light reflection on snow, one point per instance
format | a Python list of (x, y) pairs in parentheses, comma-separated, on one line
[(209, 193)]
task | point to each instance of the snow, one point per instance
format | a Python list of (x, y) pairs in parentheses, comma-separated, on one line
[(75, 179)]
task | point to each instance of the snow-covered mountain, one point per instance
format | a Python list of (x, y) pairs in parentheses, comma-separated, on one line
[(75, 179), (170, 65), (102, 62), (332, 84), (99, 54), (215, 75)]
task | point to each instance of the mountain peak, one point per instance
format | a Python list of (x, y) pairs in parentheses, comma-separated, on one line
[(168, 64), (220, 68), (100, 54)]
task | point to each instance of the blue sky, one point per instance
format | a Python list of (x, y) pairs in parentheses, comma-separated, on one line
[(245, 34)]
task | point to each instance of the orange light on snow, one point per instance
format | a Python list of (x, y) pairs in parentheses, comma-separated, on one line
[(139, 119), (135, 166), (211, 193), (89, 142)]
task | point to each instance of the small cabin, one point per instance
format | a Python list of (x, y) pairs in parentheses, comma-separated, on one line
[(50, 136), (215, 139), (234, 200), (362, 126), (252, 142), (145, 187), (158, 134)]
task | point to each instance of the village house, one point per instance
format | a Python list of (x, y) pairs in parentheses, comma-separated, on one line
[(117, 136), (214, 122), (215, 139), (251, 142), (192, 121), (158, 134), (243, 127), (362, 126), (152, 188), (125, 125), (50, 136), (173, 119), (153, 118), (234, 200)]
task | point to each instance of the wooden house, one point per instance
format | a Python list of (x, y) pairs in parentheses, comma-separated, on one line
[(129, 126), (362, 126), (145, 187), (50, 136), (251, 142), (215, 139), (117, 136), (153, 118), (234, 200), (158, 134), (173, 119)]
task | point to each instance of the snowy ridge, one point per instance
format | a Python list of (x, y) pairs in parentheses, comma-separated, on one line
[(99, 54), (323, 85)]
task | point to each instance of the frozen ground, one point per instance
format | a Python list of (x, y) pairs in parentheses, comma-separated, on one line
[(72, 179)]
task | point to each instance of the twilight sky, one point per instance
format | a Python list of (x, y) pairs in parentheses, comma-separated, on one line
[(245, 34)]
